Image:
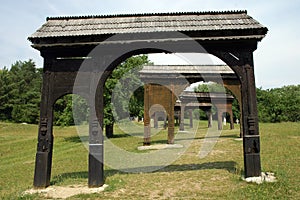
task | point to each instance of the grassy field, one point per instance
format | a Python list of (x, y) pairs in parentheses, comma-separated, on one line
[(217, 176)]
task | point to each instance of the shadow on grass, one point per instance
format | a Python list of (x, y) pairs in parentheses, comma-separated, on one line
[(72, 175), (77, 139), (233, 136), (230, 166)]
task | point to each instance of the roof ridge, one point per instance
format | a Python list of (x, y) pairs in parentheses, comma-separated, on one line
[(148, 14)]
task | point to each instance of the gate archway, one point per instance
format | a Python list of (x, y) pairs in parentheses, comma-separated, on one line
[(80, 52)]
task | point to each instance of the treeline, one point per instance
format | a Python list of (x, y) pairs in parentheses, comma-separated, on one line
[(274, 105), (20, 94), (20, 91), (279, 104)]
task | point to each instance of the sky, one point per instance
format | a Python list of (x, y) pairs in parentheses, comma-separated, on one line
[(276, 59)]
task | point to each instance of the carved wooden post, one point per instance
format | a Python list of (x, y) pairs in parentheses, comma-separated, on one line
[(251, 140), (43, 160), (96, 172), (147, 129), (96, 178), (182, 108), (242, 64)]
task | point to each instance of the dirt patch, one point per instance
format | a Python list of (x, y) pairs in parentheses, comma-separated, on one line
[(294, 137), (160, 146), (63, 192)]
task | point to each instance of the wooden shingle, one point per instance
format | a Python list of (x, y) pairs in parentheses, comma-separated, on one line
[(77, 26)]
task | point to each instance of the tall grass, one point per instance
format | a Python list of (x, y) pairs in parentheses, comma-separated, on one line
[(217, 176)]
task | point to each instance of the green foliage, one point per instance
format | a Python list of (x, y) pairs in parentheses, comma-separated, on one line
[(279, 104), (20, 92), (210, 87), (236, 109), (70, 109), (199, 114), (5, 107), (63, 115), (123, 93)]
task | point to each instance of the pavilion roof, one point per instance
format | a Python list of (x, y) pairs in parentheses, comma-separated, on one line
[(186, 69), (232, 24)]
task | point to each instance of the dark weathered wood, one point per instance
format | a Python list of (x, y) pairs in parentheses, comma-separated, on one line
[(96, 172), (43, 161), (245, 71), (109, 130)]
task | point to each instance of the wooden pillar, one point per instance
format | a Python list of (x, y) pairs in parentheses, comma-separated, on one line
[(251, 140), (165, 120), (241, 122), (156, 120), (242, 64), (191, 118), (171, 124), (182, 108), (96, 171), (209, 116), (109, 130), (220, 115), (231, 118), (147, 129), (43, 162)]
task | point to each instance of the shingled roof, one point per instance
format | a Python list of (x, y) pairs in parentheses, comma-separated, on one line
[(186, 69), (144, 23), (187, 72)]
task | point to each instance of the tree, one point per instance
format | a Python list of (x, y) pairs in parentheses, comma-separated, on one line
[(5, 107), (70, 110), (124, 81), (291, 102), (279, 104), (210, 87), (20, 92)]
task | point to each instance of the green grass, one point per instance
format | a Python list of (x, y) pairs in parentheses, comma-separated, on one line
[(217, 176)]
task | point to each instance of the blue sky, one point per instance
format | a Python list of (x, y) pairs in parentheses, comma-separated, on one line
[(276, 59)]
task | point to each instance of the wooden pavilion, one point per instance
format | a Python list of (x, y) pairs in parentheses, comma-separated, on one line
[(80, 52)]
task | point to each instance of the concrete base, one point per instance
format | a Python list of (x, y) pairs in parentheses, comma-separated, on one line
[(265, 177)]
